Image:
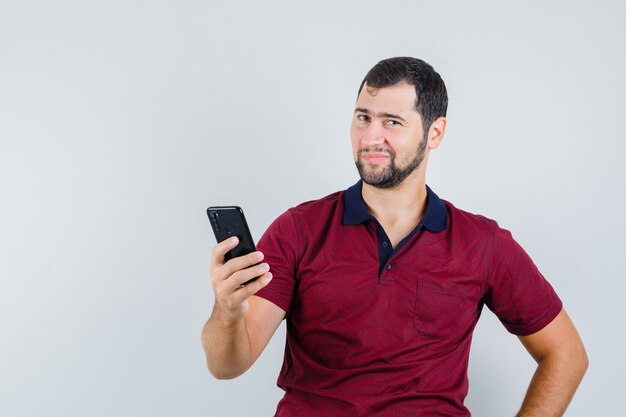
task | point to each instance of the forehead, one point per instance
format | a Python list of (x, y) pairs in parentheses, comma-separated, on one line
[(398, 98)]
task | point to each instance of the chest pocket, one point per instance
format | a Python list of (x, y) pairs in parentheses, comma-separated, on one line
[(445, 313)]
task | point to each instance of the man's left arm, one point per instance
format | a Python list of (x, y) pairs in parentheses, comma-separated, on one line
[(561, 364)]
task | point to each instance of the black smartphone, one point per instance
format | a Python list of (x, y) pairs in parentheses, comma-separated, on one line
[(228, 221)]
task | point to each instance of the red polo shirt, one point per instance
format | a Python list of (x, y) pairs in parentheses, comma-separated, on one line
[(380, 331)]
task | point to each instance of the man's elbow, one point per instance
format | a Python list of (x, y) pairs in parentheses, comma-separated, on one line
[(582, 360), (224, 373), (575, 360), (219, 368)]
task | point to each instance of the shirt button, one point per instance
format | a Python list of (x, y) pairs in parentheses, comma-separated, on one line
[(385, 244), (388, 266)]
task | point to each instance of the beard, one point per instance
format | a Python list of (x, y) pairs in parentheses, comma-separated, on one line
[(391, 175)]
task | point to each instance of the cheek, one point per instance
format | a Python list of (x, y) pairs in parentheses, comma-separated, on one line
[(404, 142), (355, 138)]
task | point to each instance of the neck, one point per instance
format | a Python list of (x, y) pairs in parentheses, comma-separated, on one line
[(405, 203)]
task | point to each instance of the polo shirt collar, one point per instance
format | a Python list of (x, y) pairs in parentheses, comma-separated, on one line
[(355, 210)]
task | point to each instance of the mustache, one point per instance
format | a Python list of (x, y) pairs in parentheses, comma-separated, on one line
[(377, 149)]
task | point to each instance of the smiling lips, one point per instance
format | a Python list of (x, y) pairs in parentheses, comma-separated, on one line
[(374, 157)]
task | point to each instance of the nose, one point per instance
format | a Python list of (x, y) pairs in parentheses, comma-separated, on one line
[(372, 135)]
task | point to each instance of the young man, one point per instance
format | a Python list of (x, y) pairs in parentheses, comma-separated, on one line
[(382, 284)]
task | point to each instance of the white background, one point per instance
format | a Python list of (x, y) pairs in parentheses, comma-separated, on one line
[(121, 121)]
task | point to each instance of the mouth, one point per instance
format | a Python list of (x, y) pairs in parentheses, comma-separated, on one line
[(374, 157)]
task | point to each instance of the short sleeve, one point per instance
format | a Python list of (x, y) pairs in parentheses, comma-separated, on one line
[(279, 245), (516, 291)]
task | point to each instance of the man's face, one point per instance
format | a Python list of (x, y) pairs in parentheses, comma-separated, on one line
[(388, 141)]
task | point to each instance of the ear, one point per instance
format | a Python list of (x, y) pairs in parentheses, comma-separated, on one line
[(436, 132)]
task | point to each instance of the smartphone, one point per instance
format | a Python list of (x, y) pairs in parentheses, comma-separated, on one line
[(228, 221)]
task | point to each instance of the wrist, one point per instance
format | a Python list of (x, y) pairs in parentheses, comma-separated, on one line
[(224, 319)]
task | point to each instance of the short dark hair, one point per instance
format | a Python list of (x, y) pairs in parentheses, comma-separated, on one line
[(432, 97)]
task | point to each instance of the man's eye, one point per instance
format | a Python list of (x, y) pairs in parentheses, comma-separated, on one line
[(363, 117), (392, 123)]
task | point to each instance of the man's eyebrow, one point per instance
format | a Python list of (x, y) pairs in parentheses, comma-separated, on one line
[(366, 111)]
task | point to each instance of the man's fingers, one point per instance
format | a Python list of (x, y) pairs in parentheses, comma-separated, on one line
[(242, 262), (233, 295), (219, 250), (247, 290), (245, 275)]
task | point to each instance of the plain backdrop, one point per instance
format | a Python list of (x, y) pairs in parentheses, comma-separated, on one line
[(121, 121)]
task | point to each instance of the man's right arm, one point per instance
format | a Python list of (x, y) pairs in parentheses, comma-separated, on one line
[(241, 324)]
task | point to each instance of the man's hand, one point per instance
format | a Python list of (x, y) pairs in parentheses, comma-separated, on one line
[(227, 279), (241, 324), (562, 362)]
